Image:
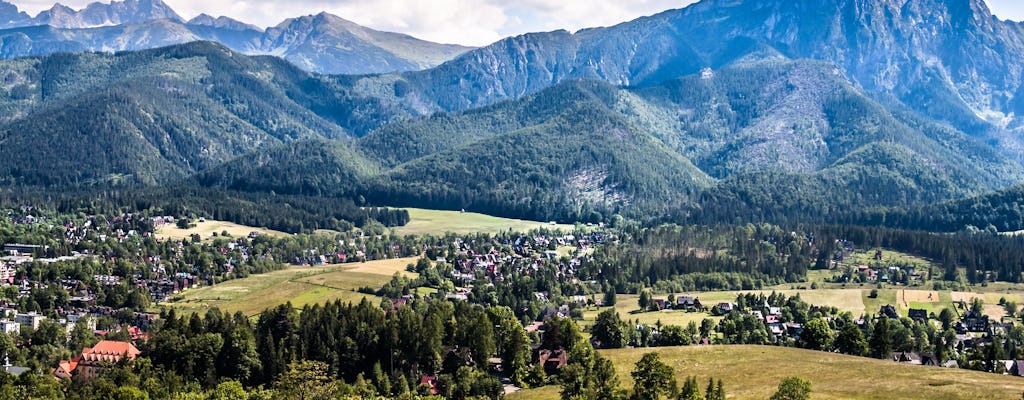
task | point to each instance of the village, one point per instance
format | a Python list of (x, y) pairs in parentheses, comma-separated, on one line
[(159, 271), (117, 273)]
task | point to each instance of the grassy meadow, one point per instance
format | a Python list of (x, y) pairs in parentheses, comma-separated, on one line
[(754, 372), (206, 228), (438, 222), (298, 284)]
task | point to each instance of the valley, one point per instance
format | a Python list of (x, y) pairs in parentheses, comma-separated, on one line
[(797, 198)]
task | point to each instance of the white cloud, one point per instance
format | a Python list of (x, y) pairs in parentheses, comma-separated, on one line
[(1007, 9), (473, 22)]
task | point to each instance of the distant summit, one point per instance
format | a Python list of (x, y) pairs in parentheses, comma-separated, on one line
[(10, 16), (321, 43), (315, 40), (101, 14), (222, 22)]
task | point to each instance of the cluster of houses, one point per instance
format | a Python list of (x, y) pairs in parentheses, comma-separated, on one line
[(877, 272), (527, 255), (974, 331), (904, 275), (13, 322)]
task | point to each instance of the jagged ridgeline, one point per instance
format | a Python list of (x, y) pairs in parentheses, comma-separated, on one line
[(704, 114), (323, 43), (766, 140), (156, 116)]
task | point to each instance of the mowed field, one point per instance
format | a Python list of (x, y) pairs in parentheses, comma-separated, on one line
[(439, 222), (206, 228), (754, 372), (299, 285)]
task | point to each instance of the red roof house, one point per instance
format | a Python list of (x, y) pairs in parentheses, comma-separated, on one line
[(94, 359)]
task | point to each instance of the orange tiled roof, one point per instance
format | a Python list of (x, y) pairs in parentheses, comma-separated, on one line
[(108, 351), (65, 368)]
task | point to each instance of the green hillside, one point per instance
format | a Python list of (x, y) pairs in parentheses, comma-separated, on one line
[(754, 372), (311, 167), (159, 115), (585, 160), (767, 140)]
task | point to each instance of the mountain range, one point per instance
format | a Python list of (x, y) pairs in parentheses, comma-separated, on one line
[(321, 43), (950, 59), (726, 110)]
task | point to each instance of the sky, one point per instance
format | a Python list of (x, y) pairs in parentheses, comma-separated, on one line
[(468, 22)]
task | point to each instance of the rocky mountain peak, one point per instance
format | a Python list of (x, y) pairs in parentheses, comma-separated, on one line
[(103, 14), (221, 22), (10, 15)]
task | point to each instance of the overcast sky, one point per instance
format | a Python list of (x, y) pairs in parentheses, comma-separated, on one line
[(470, 22)]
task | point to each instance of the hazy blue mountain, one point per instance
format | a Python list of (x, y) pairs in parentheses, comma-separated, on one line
[(320, 43), (10, 15), (222, 23), (106, 14), (329, 44), (45, 39)]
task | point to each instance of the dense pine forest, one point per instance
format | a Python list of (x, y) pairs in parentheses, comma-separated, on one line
[(691, 149)]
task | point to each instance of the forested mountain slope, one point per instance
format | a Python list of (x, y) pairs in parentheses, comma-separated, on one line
[(153, 116)]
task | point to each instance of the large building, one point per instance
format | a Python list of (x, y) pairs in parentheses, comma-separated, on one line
[(94, 360)]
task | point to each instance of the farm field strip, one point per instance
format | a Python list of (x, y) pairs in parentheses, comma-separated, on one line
[(206, 228), (438, 222), (298, 285)]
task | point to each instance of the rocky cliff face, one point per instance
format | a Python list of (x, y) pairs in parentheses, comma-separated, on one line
[(10, 16), (101, 14), (951, 59), (222, 23)]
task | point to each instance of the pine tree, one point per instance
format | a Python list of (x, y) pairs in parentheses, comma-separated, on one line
[(691, 390), (881, 343), (606, 381), (645, 300), (653, 379), (608, 330), (610, 298), (381, 380)]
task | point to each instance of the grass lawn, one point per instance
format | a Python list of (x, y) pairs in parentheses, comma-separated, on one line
[(438, 222), (208, 227), (885, 297), (381, 267), (754, 372), (299, 285), (888, 258)]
